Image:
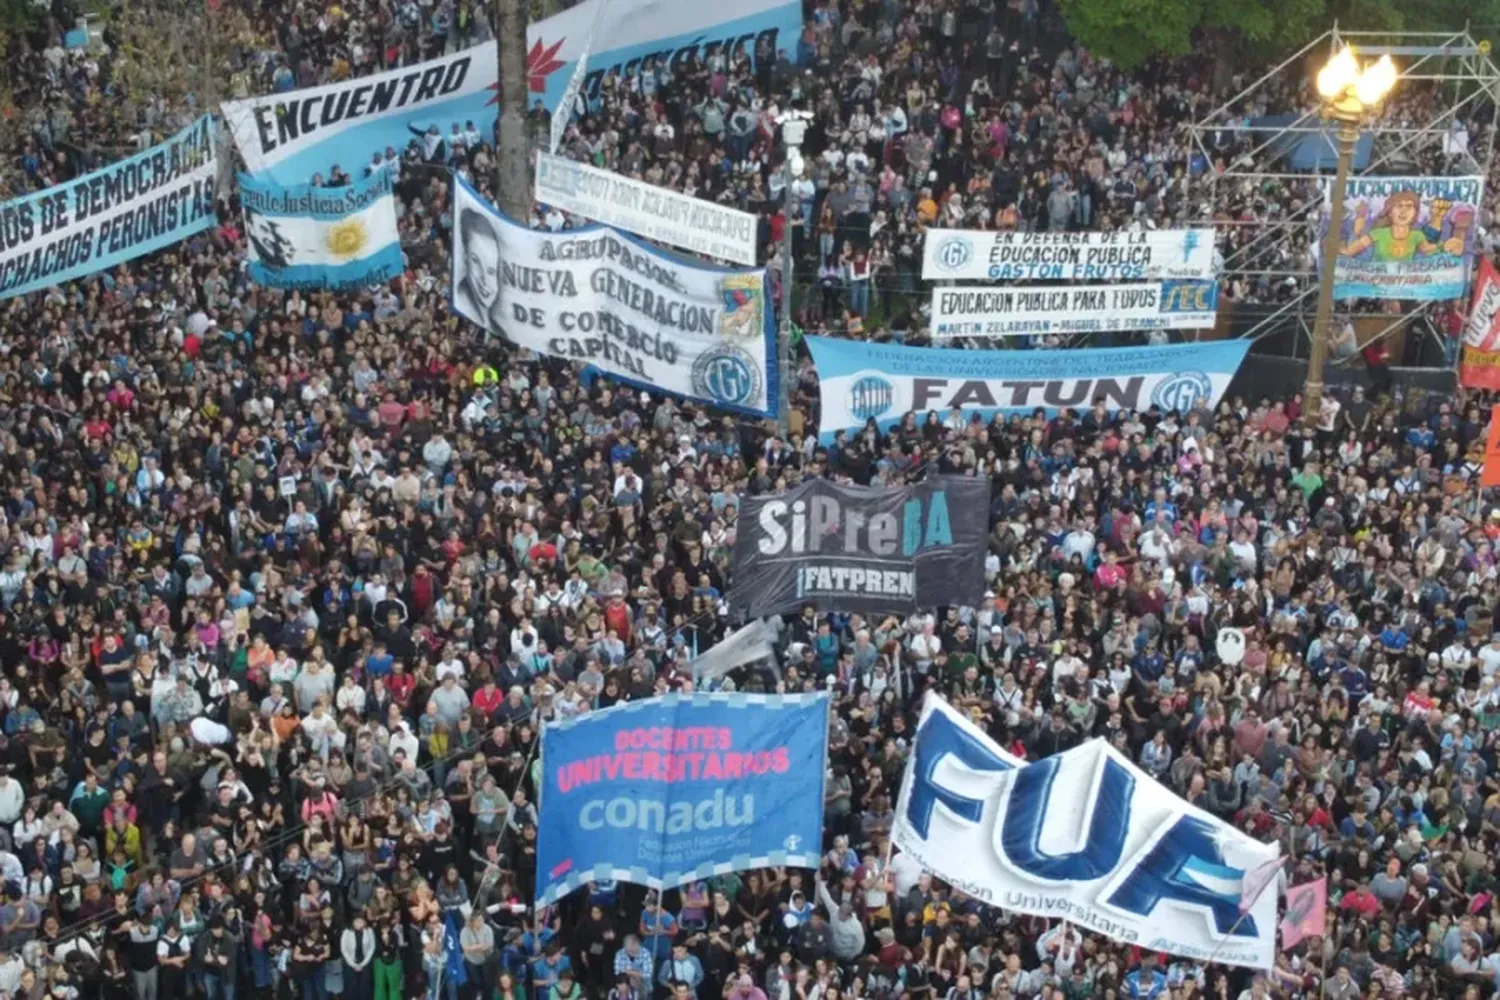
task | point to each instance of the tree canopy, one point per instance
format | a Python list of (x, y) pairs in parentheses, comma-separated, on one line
[(1129, 32)]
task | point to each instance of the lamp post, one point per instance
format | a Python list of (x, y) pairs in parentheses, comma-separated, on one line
[(1348, 93), (793, 128)]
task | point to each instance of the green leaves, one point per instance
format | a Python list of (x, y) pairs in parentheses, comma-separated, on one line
[(1129, 32)]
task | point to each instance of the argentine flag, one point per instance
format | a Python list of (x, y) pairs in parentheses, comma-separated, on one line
[(302, 236)]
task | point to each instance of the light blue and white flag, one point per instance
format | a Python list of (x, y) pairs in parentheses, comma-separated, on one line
[(319, 237)]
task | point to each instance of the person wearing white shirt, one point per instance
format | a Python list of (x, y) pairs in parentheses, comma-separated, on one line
[(350, 697), (12, 799)]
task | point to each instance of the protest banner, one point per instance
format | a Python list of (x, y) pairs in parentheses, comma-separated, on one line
[(1405, 237), (668, 790), (628, 33), (1084, 836), (987, 311), (860, 549), (657, 213), (289, 137), (1479, 364), (602, 298), (150, 200), (860, 381), (1123, 255)]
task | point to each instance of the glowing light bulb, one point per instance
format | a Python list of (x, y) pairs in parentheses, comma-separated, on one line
[(1341, 71)]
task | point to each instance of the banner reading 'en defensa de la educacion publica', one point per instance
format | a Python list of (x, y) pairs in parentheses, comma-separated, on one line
[(668, 790)]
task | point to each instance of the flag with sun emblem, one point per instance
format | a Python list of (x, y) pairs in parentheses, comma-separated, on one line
[(321, 237)]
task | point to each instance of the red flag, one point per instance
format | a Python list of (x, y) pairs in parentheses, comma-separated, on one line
[(1479, 367), (1306, 912)]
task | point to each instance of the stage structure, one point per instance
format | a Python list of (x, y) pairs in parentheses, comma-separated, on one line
[(1271, 147)]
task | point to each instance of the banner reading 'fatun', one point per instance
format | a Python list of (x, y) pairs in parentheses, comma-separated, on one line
[(602, 298), (865, 550), (319, 237), (1155, 255), (660, 792), (151, 200), (859, 381), (1405, 237)]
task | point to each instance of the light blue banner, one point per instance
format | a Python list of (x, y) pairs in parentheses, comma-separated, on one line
[(128, 209), (860, 382), (303, 236), (668, 790)]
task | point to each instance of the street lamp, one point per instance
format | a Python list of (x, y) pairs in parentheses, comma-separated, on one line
[(793, 124), (1349, 93)]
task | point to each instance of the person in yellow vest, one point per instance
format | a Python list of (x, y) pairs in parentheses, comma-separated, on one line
[(485, 375)]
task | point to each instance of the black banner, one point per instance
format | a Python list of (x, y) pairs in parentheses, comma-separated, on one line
[(862, 549)]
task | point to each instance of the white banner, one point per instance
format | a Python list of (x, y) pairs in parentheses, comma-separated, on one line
[(601, 298), (1157, 255), (1084, 836), (288, 136), (990, 311), (751, 644), (647, 210)]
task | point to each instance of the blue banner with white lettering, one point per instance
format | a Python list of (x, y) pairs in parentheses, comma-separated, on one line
[(860, 381), (151, 200), (668, 790), (303, 236)]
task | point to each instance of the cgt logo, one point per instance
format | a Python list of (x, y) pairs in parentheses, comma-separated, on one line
[(1181, 863)]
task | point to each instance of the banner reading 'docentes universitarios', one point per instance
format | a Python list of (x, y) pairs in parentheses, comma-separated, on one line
[(667, 790), (599, 297), (1084, 836), (883, 382), (1406, 237), (988, 311), (860, 549), (657, 213), (1155, 255), (141, 204), (303, 236)]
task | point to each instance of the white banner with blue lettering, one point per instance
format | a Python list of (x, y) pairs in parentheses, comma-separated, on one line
[(860, 381), (292, 136), (141, 204), (1084, 836), (601, 297), (303, 236)]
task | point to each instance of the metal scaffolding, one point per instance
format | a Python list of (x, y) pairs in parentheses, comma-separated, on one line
[(1275, 251)]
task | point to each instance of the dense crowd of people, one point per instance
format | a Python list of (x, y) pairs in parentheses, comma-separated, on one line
[(276, 743)]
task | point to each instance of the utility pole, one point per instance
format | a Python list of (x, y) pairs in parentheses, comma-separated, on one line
[(513, 150), (793, 128)]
